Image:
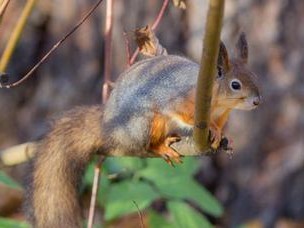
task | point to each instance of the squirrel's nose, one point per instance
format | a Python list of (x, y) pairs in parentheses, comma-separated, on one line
[(257, 100)]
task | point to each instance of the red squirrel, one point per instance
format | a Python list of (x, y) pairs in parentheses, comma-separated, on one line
[(150, 107)]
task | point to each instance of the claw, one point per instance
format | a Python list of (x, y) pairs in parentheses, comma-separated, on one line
[(172, 139), (163, 149), (215, 138), (167, 159), (167, 153), (227, 147)]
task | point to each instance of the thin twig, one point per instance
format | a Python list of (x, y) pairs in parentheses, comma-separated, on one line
[(153, 27), (94, 191), (127, 44), (139, 214), (207, 72), (108, 51), (105, 95), (16, 34), (3, 7), (160, 14), (134, 56), (45, 57), (17, 154)]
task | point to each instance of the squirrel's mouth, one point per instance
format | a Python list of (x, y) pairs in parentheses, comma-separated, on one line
[(249, 103)]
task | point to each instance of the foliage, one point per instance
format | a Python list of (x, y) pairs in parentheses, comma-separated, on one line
[(133, 182), (9, 223), (6, 180), (185, 216)]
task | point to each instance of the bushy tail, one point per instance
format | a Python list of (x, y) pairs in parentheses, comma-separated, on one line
[(52, 196)]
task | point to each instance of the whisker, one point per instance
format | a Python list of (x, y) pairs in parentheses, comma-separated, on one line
[(230, 98)]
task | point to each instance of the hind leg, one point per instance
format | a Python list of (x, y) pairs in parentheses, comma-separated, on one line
[(160, 142)]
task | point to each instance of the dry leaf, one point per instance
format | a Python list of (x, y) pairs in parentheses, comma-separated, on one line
[(148, 43), (180, 4), (145, 40)]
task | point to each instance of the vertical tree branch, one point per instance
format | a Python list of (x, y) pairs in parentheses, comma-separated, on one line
[(105, 95), (14, 38), (207, 72), (108, 51)]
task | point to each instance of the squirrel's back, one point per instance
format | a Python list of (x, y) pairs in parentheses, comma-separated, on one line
[(150, 86)]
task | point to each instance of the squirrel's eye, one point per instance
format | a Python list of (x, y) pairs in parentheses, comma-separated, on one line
[(219, 72), (235, 84)]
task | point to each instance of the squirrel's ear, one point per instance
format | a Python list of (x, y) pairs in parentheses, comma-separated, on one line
[(242, 48), (223, 58)]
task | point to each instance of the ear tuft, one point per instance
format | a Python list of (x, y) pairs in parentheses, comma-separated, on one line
[(242, 48), (223, 58)]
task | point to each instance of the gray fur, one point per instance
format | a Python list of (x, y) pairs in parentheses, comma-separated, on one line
[(152, 85)]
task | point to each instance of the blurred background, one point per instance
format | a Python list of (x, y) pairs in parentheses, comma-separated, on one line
[(262, 185)]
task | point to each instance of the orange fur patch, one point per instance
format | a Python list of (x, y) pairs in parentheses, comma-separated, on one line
[(184, 111), (158, 129)]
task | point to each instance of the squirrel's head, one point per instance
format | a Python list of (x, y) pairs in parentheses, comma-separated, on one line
[(236, 84)]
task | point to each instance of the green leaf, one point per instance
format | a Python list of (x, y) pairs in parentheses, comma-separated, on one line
[(6, 180), (89, 174), (186, 216), (188, 189), (181, 186), (159, 171), (103, 190), (121, 196), (10, 223), (123, 164), (199, 195), (157, 221)]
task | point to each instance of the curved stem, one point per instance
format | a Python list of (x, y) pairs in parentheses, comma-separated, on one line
[(46, 56), (153, 27)]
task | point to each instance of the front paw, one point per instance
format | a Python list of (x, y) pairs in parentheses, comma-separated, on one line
[(215, 137)]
